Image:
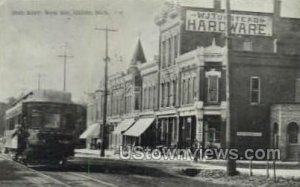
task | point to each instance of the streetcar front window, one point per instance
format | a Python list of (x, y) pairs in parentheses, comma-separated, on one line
[(45, 120), (52, 121), (36, 120)]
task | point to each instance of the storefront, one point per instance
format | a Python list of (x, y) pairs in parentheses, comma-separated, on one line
[(141, 133), (91, 135), (214, 131), (117, 135), (187, 131)]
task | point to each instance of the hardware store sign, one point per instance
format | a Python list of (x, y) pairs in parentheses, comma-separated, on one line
[(203, 21)]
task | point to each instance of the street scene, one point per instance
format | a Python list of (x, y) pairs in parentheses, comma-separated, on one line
[(150, 93)]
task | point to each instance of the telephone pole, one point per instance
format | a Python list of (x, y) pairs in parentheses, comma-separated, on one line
[(65, 57), (231, 163), (106, 60)]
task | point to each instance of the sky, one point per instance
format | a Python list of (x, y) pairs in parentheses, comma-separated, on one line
[(30, 44)]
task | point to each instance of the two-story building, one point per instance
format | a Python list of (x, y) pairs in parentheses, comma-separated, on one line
[(181, 97)]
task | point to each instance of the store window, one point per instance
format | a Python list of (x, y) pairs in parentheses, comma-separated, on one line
[(214, 135)]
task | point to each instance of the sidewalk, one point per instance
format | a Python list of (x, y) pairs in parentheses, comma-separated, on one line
[(285, 169)]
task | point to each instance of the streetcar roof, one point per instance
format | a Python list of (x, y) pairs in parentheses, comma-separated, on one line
[(52, 96)]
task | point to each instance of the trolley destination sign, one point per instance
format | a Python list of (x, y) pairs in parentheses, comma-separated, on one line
[(203, 21)]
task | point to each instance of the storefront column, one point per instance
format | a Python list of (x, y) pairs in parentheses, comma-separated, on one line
[(156, 131), (199, 130), (199, 123), (177, 128), (166, 131), (205, 133), (223, 132)]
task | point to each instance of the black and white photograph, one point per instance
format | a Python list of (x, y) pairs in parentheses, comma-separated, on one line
[(113, 93)]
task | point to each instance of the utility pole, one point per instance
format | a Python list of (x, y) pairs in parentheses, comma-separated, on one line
[(65, 57), (231, 163), (106, 60)]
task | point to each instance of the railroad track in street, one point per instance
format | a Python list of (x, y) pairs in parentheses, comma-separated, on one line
[(60, 178)]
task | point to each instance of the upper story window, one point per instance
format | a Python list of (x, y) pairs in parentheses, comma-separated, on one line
[(183, 92), (175, 46), (247, 45), (293, 130), (168, 94), (163, 54), (145, 98), (162, 95), (213, 77), (194, 87), (150, 97), (255, 90), (174, 92), (189, 91), (212, 89), (169, 50)]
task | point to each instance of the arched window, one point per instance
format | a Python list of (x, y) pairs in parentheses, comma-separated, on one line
[(292, 130)]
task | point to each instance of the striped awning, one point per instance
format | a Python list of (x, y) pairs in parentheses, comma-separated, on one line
[(139, 127)]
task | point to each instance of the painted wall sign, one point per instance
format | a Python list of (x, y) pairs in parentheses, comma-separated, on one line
[(255, 134), (202, 21)]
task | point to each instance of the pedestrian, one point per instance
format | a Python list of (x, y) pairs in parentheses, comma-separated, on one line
[(195, 147), (98, 143), (22, 135)]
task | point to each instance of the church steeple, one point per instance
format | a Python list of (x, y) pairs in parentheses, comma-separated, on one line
[(138, 55)]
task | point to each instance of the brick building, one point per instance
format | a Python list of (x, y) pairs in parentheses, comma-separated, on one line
[(181, 97)]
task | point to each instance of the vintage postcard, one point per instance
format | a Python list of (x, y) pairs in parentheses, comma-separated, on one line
[(149, 93)]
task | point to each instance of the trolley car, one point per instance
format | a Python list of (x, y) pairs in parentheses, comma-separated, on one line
[(53, 124)]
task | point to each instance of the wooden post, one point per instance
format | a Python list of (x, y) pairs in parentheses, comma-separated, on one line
[(274, 170), (250, 168), (267, 168)]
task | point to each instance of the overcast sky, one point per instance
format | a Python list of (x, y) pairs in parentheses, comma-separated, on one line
[(30, 44)]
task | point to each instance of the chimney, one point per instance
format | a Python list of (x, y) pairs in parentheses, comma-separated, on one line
[(277, 8), (217, 4)]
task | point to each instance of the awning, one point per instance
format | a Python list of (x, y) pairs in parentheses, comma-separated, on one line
[(123, 126), (139, 127), (93, 131)]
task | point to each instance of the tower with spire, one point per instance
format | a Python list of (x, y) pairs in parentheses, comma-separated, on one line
[(138, 57)]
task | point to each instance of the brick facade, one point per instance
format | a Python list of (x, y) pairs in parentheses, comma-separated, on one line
[(185, 92)]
